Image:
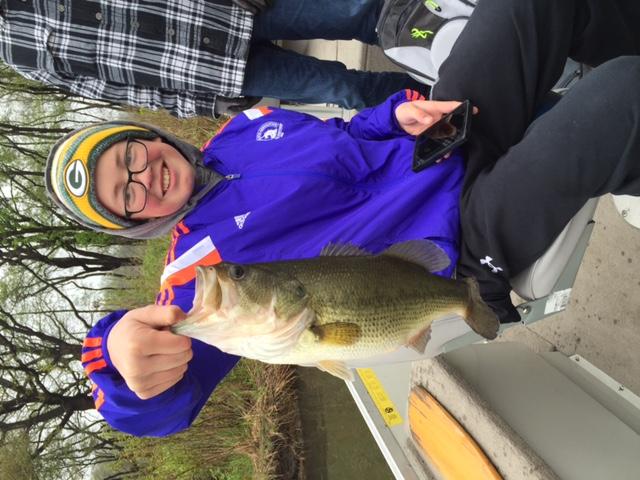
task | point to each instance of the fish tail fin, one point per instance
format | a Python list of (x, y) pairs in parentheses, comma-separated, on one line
[(479, 315)]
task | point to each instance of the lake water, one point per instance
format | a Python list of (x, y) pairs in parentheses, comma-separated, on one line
[(338, 443)]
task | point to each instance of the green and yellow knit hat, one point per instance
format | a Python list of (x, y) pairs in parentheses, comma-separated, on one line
[(70, 171)]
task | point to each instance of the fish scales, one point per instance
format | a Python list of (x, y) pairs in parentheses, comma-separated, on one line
[(390, 299)]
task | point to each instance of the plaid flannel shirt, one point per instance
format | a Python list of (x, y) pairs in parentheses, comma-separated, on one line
[(173, 54)]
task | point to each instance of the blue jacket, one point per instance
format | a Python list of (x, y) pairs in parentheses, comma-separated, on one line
[(293, 184)]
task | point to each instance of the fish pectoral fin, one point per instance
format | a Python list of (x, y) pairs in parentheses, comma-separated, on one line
[(337, 369), (337, 333), (419, 342)]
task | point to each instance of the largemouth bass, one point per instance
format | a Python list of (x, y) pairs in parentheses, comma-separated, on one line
[(344, 305)]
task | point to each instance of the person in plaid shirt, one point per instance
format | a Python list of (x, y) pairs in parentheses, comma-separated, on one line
[(193, 57)]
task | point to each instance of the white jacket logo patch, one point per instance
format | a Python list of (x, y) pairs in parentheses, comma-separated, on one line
[(240, 219), (270, 131), (487, 261)]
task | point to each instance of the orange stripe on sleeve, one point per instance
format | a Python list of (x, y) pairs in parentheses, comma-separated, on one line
[(160, 297), (179, 229), (91, 355), (171, 255), (100, 400), (90, 342), (189, 273), (167, 261), (167, 294), (407, 92), (93, 366), (202, 148), (265, 110), (185, 276), (170, 296), (183, 228)]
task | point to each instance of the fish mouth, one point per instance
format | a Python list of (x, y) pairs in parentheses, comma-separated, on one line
[(206, 304), (217, 299), (209, 280)]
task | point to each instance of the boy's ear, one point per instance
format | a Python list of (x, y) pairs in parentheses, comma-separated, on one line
[(157, 139)]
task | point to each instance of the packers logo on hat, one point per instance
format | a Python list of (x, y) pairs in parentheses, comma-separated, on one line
[(76, 178), (71, 166)]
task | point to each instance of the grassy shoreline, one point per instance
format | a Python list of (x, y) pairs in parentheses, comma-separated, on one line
[(249, 429)]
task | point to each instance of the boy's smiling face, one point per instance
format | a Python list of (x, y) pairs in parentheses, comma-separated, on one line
[(169, 179)]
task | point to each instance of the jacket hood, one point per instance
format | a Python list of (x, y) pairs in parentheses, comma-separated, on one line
[(205, 180)]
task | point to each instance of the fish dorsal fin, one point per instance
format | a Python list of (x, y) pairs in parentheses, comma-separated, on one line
[(337, 369), (422, 252), (344, 250), (337, 333)]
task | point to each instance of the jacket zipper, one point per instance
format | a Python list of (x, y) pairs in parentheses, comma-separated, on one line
[(236, 176)]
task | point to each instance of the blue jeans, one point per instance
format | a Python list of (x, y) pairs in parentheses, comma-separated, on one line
[(276, 72)]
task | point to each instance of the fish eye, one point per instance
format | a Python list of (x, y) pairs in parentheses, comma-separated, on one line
[(300, 292), (236, 272)]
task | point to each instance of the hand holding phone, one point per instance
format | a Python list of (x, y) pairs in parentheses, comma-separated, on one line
[(416, 116), (441, 138)]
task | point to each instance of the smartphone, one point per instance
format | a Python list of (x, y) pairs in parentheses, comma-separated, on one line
[(449, 132)]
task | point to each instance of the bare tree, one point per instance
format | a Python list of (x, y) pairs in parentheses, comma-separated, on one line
[(53, 273)]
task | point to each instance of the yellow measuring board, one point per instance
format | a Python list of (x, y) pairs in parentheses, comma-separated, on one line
[(379, 396)]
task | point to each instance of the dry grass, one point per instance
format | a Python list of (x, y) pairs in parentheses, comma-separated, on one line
[(249, 429), (195, 130), (274, 445)]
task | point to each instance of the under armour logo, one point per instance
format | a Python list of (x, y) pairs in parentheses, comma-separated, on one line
[(240, 219), (487, 261)]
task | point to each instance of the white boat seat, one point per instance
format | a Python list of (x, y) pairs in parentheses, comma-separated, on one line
[(538, 280), (629, 208)]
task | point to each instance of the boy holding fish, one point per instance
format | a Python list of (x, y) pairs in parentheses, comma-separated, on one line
[(278, 185), (272, 185)]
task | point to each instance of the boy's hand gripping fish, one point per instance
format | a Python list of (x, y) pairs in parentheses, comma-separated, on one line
[(344, 305)]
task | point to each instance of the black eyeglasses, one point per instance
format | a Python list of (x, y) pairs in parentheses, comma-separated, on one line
[(135, 193)]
